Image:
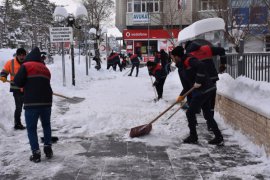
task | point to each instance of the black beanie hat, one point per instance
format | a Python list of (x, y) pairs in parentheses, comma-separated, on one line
[(178, 51), (20, 51), (34, 55), (150, 64)]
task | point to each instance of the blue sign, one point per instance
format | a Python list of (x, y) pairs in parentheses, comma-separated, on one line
[(241, 16), (258, 15)]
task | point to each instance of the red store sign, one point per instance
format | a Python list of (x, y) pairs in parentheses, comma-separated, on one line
[(153, 34)]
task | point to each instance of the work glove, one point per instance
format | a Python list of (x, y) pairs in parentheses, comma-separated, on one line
[(180, 99), (197, 85), (222, 68), (4, 79)]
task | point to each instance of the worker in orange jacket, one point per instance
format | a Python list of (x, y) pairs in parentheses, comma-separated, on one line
[(11, 68)]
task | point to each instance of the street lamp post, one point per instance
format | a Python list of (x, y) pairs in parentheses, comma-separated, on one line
[(61, 14), (96, 35)]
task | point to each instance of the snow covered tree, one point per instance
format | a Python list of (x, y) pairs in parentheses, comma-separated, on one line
[(37, 19)]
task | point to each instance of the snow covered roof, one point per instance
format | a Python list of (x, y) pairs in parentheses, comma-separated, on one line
[(200, 27)]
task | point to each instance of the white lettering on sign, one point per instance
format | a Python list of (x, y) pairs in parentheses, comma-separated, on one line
[(140, 17), (61, 34)]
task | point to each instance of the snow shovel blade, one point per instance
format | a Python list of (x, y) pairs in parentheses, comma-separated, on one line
[(140, 130), (75, 99)]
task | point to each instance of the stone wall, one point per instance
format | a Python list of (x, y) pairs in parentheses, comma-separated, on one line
[(249, 122)]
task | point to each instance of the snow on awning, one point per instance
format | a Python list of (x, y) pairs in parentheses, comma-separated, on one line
[(200, 27)]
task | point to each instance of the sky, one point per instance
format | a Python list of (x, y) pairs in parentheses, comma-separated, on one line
[(109, 108)]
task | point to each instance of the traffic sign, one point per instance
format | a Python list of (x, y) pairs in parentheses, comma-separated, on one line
[(61, 34)]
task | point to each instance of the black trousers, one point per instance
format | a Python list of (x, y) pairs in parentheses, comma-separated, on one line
[(119, 65), (203, 101), (137, 69), (18, 98), (159, 87)]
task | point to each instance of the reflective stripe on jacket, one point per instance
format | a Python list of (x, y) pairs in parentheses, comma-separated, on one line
[(11, 68)]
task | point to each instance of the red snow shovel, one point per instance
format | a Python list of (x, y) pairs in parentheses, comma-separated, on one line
[(145, 129)]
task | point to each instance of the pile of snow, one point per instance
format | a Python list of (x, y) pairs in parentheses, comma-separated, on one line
[(250, 93), (201, 27)]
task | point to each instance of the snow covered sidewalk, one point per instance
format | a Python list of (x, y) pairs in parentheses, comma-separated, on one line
[(94, 142)]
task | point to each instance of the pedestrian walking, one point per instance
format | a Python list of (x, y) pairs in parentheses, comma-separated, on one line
[(156, 70), (11, 68), (197, 76), (35, 77)]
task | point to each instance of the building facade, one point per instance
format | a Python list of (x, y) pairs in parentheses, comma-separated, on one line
[(155, 23), (151, 25)]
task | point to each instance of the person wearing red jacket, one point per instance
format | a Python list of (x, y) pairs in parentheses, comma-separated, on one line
[(197, 75), (205, 53), (135, 63), (35, 77), (156, 70), (11, 68)]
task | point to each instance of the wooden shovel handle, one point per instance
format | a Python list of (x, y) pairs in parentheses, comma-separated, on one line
[(56, 94), (161, 114), (60, 95)]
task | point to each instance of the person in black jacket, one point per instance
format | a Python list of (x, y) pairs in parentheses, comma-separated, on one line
[(164, 58), (135, 63), (160, 75), (197, 76), (205, 54), (35, 77)]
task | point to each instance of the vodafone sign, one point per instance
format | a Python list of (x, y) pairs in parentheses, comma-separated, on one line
[(136, 35), (153, 34)]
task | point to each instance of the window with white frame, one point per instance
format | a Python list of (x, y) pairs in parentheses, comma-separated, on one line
[(137, 6), (208, 4), (129, 6), (144, 5)]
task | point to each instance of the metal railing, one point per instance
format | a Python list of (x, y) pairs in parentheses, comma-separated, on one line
[(255, 66)]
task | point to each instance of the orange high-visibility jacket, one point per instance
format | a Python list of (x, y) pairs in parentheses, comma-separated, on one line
[(11, 68)]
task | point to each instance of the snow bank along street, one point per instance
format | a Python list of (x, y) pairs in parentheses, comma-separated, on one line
[(93, 135)]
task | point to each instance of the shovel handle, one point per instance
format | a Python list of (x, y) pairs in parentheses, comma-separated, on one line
[(60, 95), (187, 93), (176, 111)]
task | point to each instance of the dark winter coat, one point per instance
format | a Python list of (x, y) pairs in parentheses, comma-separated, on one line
[(112, 59), (134, 59), (34, 77), (205, 54), (164, 57), (158, 72), (195, 72), (183, 76)]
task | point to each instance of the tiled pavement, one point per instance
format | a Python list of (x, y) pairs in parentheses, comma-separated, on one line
[(110, 157)]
